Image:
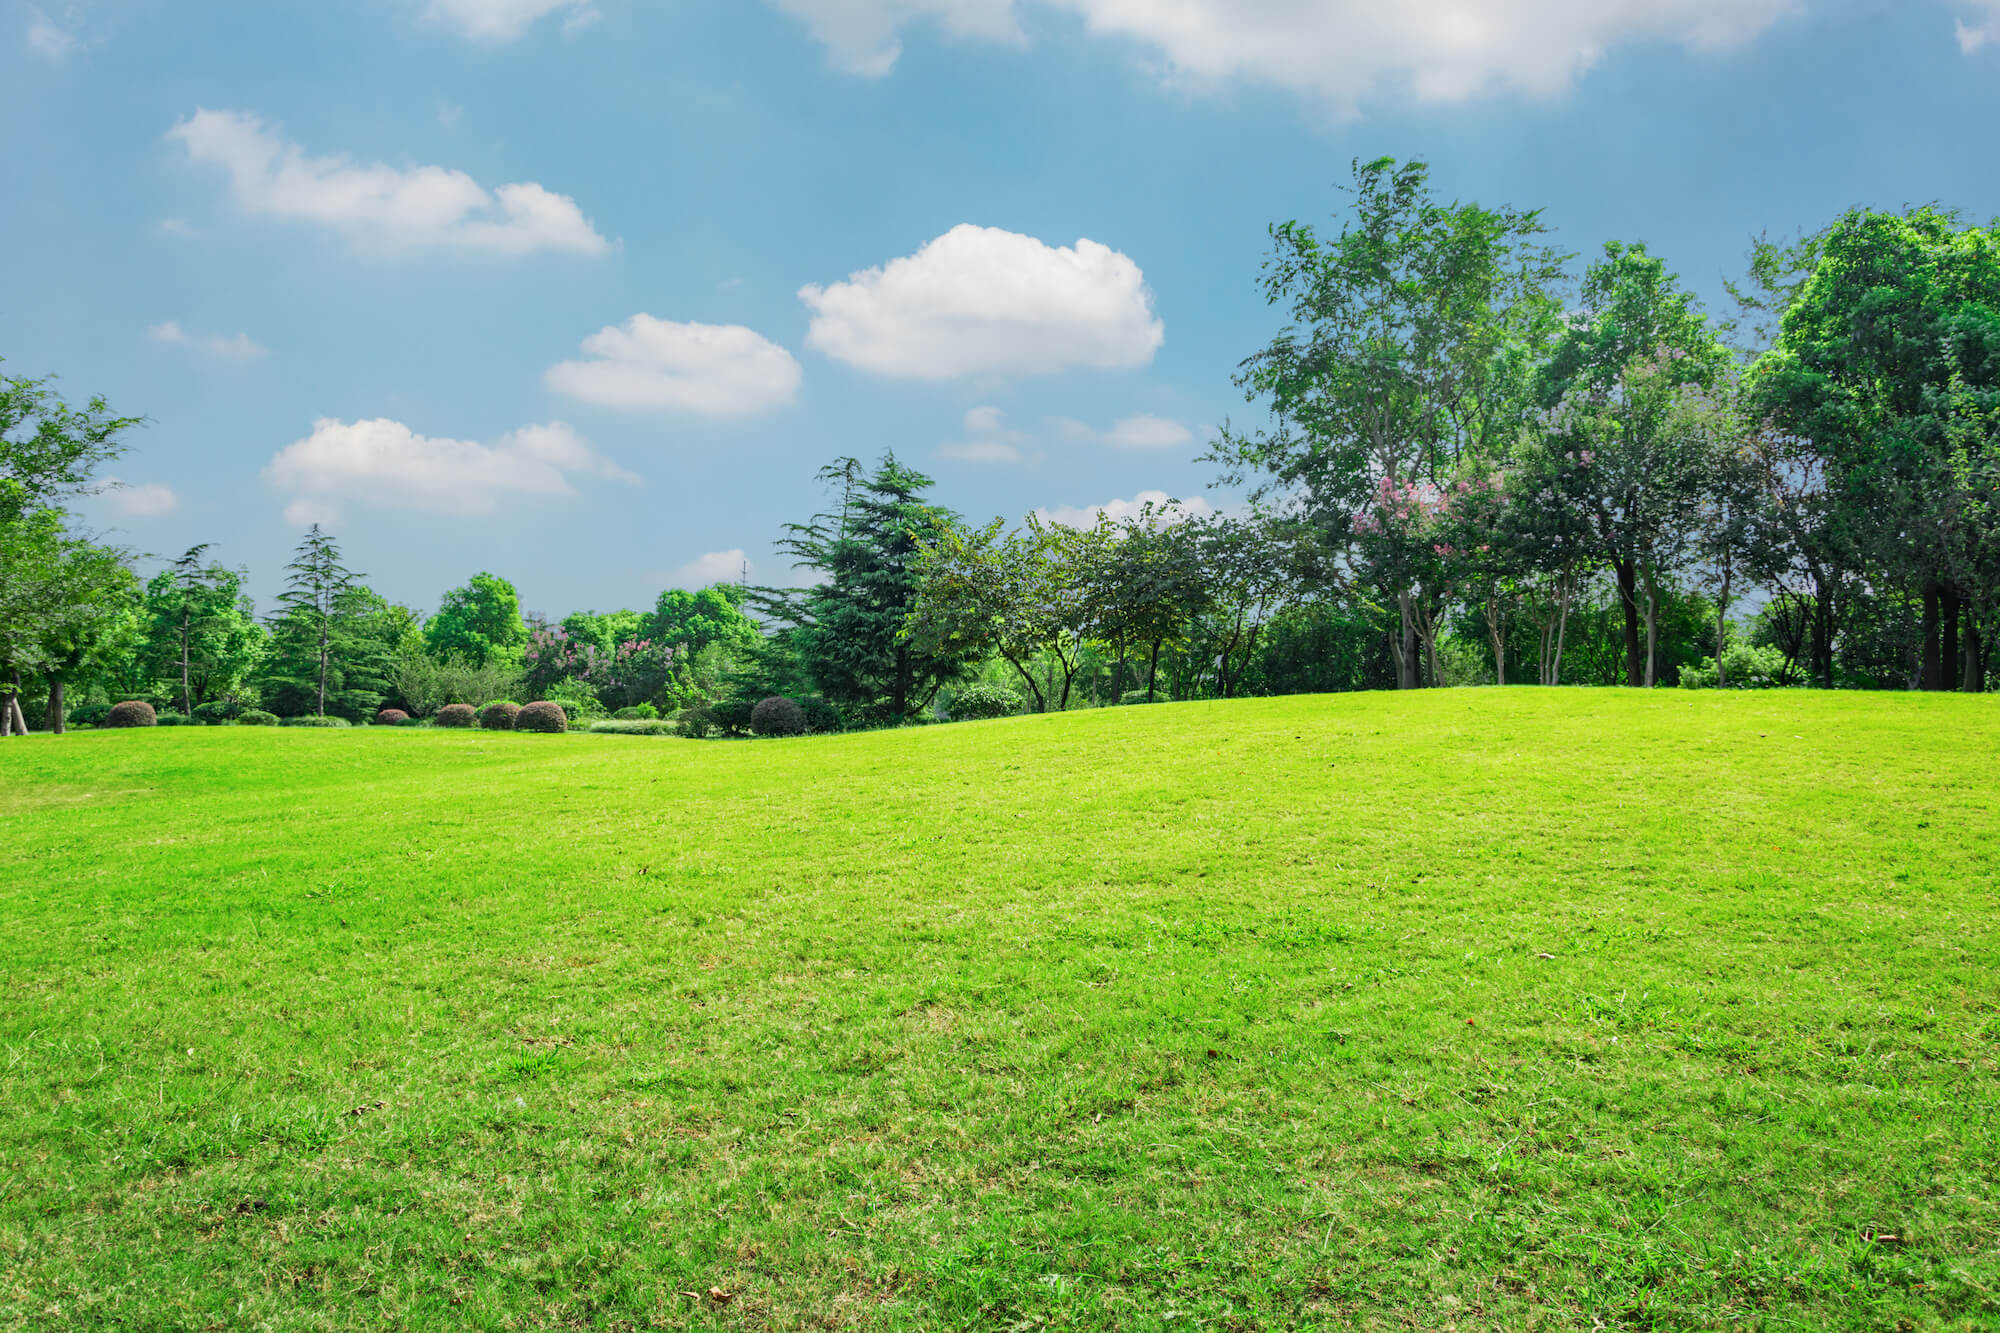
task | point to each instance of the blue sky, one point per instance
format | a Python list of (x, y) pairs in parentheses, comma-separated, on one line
[(583, 291)]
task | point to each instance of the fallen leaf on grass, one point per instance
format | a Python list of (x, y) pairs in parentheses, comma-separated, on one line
[(365, 1108), (719, 1296)]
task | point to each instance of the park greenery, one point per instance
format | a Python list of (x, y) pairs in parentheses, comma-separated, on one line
[(1477, 465)]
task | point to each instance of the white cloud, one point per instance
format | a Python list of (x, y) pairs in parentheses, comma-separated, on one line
[(412, 206), (707, 570), (716, 370), (46, 38), (978, 300), (505, 20), (386, 463), (1144, 431), (1166, 509), (979, 451), (176, 227), (987, 439), (860, 36), (237, 347), (1983, 30), (148, 499), (1338, 51), (983, 419)]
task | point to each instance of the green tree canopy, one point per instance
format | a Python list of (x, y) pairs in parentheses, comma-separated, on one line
[(479, 623)]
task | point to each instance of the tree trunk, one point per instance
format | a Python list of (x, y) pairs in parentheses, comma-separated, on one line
[(1628, 597), (1823, 638), (1933, 672), (1722, 627), (57, 709), (1973, 680), (1152, 671), (1041, 701), (20, 718), (1407, 665), (187, 704), (1496, 627), (1948, 601), (7, 716), (1118, 675), (1652, 628)]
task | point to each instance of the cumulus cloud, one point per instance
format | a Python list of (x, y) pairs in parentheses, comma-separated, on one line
[(979, 300), (1339, 51), (385, 462), (1144, 431), (716, 370), (1166, 509), (707, 570), (504, 20), (409, 206), (148, 499), (1983, 28), (48, 39), (988, 439), (236, 347)]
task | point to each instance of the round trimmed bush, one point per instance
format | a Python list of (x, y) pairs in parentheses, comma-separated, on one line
[(257, 717), (977, 702), (542, 716), (392, 717), (89, 715), (499, 715), (778, 716), (456, 715), (131, 713)]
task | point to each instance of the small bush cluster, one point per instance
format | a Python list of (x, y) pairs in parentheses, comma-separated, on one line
[(977, 702), (257, 717), (778, 716), (316, 721), (456, 715), (698, 723), (215, 712), (822, 718), (542, 716), (392, 717), (633, 726), (499, 715), (636, 713), (1749, 667), (171, 719), (131, 713), (89, 715)]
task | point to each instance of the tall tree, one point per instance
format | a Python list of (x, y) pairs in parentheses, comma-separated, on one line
[(1410, 332), (200, 632), (848, 627), (318, 602), (479, 623)]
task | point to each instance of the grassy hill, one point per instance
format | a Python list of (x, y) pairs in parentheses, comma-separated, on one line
[(1507, 1008)]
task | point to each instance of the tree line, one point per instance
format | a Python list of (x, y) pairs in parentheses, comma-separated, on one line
[(1477, 465)]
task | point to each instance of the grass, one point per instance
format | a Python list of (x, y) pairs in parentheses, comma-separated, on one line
[(1494, 1009)]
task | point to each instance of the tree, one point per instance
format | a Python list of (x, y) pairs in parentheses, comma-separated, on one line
[(699, 619), (50, 451), (200, 631), (95, 596), (848, 627), (1888, 361), (1634, 392), (320, 625), (480, 623), (1418, 320)]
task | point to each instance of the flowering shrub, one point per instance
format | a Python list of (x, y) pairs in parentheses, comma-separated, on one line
[(499, 715), (257, 717), (975, 702), (542, 716), (778, 716), (131, 713), (392, 717), (456, 715), (628, 674)]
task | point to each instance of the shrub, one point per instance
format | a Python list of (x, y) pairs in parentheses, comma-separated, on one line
[(575, 698), (1139, 697), (173, 719), (732, 715), (217, 711), (456, 715), (89, 715), (315, 720), (257, 717), (633, 726), (131, 713), (499, 715), (392, 717), (778, 716), (822, 718), (1750, 668), (976, 702), (542, 716), (636, 713), (698, 723)]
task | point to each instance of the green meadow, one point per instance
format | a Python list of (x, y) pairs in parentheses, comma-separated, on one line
[(1483, 1009)]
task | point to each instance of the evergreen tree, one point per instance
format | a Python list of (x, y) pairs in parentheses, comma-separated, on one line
[(332, 639)]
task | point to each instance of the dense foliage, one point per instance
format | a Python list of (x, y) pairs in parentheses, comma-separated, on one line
[(778, 716), (542, 716)]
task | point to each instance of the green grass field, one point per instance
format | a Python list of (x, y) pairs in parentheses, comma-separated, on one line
[(1466, 1009)]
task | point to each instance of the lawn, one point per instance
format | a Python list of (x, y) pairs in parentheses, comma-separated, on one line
[(1462, 1009)]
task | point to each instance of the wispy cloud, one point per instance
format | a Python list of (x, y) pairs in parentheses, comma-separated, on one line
[(235, 347)]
